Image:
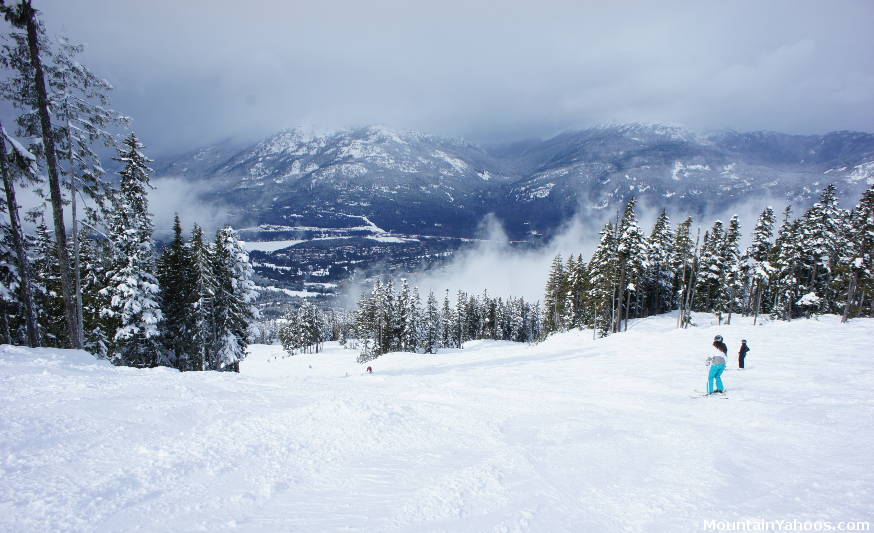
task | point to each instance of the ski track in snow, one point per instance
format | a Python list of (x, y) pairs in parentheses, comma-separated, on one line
[(568, 435)]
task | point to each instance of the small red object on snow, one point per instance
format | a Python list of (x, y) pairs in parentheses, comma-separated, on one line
[(370, 370)]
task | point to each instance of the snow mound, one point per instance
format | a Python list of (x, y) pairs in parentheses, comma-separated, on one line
[(19, 356)]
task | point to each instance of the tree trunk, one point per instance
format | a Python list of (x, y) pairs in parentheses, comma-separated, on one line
[(758, 301), (682, 302), (20, 251), (627, 307), (617, 325), (54, 181), (80, 327), (730, 307), (851, 293), (77, 272), (690, 296)]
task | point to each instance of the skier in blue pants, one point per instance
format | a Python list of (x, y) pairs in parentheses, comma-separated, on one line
[(717, 366)]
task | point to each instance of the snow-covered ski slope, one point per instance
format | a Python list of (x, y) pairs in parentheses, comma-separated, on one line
[(569, 435)]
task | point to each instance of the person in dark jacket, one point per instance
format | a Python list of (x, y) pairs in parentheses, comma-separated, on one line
[(741, 355)]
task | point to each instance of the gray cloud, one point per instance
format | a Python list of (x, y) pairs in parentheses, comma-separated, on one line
[(192, 72), (171, 196)]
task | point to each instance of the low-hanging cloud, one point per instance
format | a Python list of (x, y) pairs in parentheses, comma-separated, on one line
[(493, 264), (168, 197), (171, 196)]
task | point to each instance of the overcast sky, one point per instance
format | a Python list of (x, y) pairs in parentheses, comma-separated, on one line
[(191, 72)]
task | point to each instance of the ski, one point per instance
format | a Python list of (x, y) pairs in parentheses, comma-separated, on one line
[(700, 394)]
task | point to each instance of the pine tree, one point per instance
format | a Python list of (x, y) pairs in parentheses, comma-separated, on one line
[(578, 286), (859, 257), (459, 324), (659, 274), (759, 253), (9, 287), (402, 320), (232, 304), (290, 333), (786, 258), (174, 273), (132, 288), (203, 289), (730, 285), (604, 276), (80, 104), (367, 323), (433, 325), (413, 328), (446, 320), (555, 298), (387, 308), (710, 275), (631, 252), (33, 95), (48, 302), (823, 228), (683, 264), (18, 163), (95, 265)]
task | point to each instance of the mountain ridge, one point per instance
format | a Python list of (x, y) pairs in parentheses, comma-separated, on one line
[(422, 195)]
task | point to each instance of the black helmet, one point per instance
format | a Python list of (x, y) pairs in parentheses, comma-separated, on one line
[(744, 341), (718, 338)]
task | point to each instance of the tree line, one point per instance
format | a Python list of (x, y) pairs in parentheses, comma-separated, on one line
[(102, 285), (819, 262), (387, 320)]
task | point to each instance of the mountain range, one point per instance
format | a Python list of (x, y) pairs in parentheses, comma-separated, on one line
[(378, 187)]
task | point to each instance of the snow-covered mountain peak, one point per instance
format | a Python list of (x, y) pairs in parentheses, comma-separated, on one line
[(418, 183), (650, 131)]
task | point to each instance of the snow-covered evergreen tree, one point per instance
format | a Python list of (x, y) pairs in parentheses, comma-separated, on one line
[(683, 263), (759, 254), (578, 286), (603, 278), (132, 288), (18, 164), (95, 260), (232, 304), (555, 297), (459, 331), (433, 325), (731, 279), (26, 87), (710, 275), (631, 253), (367, 326), (404, 324), (48, 302), (174, 276), (446, 321), (415, 325), (659, 275), (858, 260), (79, 103), (9, 282), (203, 288), (786, 258), (823, 239)]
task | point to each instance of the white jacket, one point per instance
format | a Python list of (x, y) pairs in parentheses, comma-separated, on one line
[(716, 360)]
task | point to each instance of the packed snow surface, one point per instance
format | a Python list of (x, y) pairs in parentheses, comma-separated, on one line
[(572, 434)]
